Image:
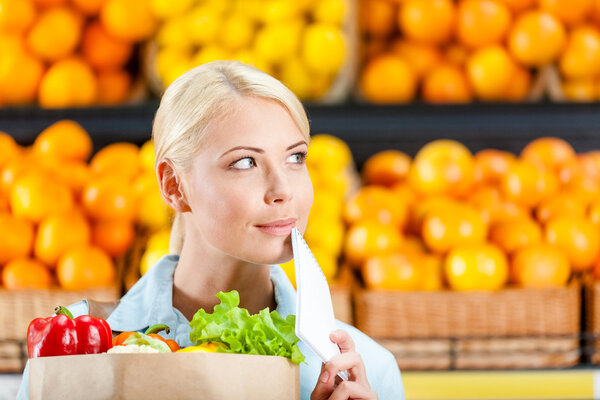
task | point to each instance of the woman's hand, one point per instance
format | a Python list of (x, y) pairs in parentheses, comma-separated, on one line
[(330, 386)]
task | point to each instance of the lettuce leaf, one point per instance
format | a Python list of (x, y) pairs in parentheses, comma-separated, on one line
[(265, 333)]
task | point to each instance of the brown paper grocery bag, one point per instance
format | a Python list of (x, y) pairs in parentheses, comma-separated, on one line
[(164, 376)]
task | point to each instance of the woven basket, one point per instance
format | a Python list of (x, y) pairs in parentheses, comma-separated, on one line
[(592, 320)]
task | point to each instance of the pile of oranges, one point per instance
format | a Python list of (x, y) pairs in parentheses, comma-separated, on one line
[(64, 220), (68, 53), (448, 218), (457, 51)]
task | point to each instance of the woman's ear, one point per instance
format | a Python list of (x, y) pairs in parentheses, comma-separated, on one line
[(171, 187)]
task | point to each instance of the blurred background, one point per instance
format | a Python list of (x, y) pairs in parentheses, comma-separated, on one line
[(455, 160)]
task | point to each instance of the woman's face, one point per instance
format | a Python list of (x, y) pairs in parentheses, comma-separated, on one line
[(248, 185)]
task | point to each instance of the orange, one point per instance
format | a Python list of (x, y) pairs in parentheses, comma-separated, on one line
[(372, 48), (456, 54), (490, 70), (114, 237), (536, 38), (386, 168), (476, 267), (388, 78), (154, 213), (109, 198), (447, 83), (578, 237), (422, 57), (377, 203), (57, 233), (13, 169), (445, 229), (513, 234), (482, 22), (65, 140), (9, 149), (520, 85), (563, 204), (26, 273), (16, 237), (549, 152), (392, 272), (541, 265), (595, 14), (420, 210), (113, 86), (405, 194), (34, 196), (491, 165), (412, 245), (571, 12), (367, 239), (68, 83), (129, 20), (585, 188), (88, 7), (581, 57), (590, 164), (429, 21), (49, 3), (16, 15), (517, 6), (442, 167), (103, 51), (527, 184), (594, 213), (119, 159), (55, 34), (377, 17), (433, 270), (327, 235), (74, 174), (503, 211), (20, 72), (580, 90), (85, 267)]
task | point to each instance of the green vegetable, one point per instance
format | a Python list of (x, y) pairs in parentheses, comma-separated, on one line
[(265, 333), (141, 339)]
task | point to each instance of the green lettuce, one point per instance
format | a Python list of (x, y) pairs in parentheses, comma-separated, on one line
[(265, 333)]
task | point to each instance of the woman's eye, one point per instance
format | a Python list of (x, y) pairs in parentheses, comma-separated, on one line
[(244, 163), (297, 158)]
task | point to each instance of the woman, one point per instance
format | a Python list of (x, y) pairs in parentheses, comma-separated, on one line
[(230, 143)]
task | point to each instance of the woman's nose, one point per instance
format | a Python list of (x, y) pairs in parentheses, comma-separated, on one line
[(279, 187)]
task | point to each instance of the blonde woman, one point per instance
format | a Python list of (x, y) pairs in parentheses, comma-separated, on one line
[(230, 143)]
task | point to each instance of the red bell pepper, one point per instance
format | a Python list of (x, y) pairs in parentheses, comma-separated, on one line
[(64, 335), (152, 332)]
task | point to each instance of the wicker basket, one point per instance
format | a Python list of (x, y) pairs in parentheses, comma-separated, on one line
[(592, 321)]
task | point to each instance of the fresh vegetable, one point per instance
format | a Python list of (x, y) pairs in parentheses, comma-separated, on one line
[(152, 331), (265, 333), (64, 335), (207, 347), (141, 343)]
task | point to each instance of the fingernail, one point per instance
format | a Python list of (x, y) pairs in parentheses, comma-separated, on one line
[(324, 376)]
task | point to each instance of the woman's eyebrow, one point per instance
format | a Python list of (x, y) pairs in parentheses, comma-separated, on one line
[(255, 149), (296, 144)]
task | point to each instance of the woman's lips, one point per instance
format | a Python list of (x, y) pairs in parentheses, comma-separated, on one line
[(282, 227)]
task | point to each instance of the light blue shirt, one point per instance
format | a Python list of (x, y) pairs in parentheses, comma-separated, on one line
[(150, 301)]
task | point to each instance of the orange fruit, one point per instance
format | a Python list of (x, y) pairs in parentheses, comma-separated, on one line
[(442, 167), (129, 20), (563, 204), (85, 267), (514, 234), (503, 211), (549, 152), (424, 206), (68, 83), (16, 237), (413, 244), (581, 57), (375, 203), (35, 195), (536, 38), (433, 271), (456, 54), (571, 12), (491, 165), (476, 267), (9, 149), (16, 15), (527, 184), (49, 3), (594, 213), (26, 273), (386, 168), (422, 57), (429, 21), (88, 7), (113, 86), (20, 72), (109, 198), (520, 85), (580, 90), (367, 239), (55, 34), (540, 265), (119, 159), (58, 233), (490, 70), (392, 272), (114, 237), (74, 174), (388, 78), (405, 194), (445, 229), (377, 17), (590, 164), (447, 83), (65, 140), (517, 6), (595, 13), (12, 170), (578, 237), (482, 22), (585, 188), (103, 51)]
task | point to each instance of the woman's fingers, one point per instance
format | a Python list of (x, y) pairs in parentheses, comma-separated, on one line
[(324, 387), (352, 390), (343, 340), (351, 362)]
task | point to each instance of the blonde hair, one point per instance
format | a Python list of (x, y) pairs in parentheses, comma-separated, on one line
[(202, 95)]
